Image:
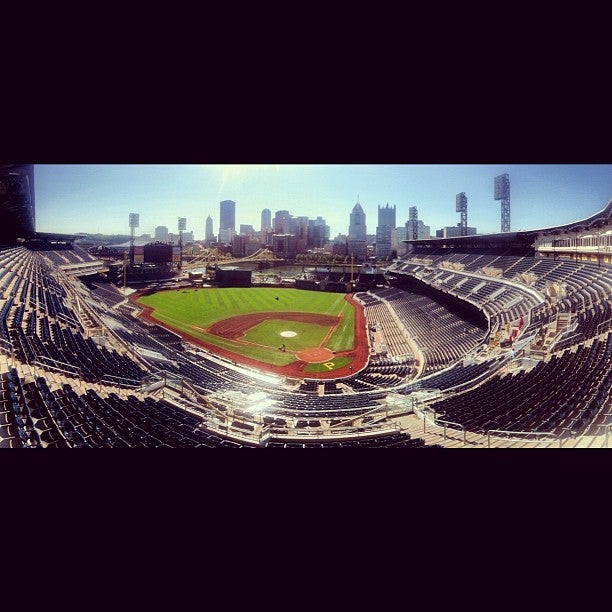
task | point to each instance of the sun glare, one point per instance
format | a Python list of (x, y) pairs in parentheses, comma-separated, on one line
[(230, 173)]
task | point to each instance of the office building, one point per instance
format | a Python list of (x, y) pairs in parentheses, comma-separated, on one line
[(208, 234), (161, 233), (454, 231), (385, 230), (266, 220), (227, 215), (282, 220), (357, 233)]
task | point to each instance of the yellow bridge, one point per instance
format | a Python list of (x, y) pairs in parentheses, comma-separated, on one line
[(214, 256)]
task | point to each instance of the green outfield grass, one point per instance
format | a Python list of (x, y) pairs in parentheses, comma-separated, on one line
[(187, 309), (343, 339)]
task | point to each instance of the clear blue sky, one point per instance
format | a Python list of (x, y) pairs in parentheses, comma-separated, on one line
[(99, 198)]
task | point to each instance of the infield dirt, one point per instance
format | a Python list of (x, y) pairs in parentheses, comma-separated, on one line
[(235, 327)]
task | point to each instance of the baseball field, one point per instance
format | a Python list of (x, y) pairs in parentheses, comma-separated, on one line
[(289, 331)]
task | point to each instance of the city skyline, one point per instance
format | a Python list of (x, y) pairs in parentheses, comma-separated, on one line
[(98, 198)]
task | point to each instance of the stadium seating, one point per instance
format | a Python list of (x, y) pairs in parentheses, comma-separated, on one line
[(436, 322), (566, 391)]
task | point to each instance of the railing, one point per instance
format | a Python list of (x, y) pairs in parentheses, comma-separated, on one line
[(423, 413), (380, 411), (322, 435), (518, 435), (604, 326), (66, 319), (188, 405), (224, 425), (607, 430), (450, 424), (563, 341), (118, 381), (191, 392), (527, 436), (6, 346), (52, 364)]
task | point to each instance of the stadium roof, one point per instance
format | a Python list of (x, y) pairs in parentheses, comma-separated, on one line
[(52, 237), (128, 244), (599, 219), (523, 238)]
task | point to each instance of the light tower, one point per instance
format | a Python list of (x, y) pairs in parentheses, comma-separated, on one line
[(502, 192), (134, 223), (413, 215), (461, 207), (182, 226)]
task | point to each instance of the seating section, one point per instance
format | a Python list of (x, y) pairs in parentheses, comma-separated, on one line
[(39, 322), (89, 420), (383, 373), (443, 336), (434, 320), (62, 253), (581, 289), (454, 377), (380, 319), (35, 417), (26, 419), (107, 293), (394, 440), (568, 393)]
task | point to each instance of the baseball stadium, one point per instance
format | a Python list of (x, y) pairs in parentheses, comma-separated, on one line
[(483, 341)]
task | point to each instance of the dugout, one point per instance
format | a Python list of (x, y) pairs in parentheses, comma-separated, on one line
[(233, 278)]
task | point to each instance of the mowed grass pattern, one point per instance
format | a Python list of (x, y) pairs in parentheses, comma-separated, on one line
[(188, 309), (343, 338)]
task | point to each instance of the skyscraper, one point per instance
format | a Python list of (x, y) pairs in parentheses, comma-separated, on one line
[(208, 232), (301, 231), (357, 241), (385, 230), (266, 220), (282, 220), (386, 216), (318, 233), (227, 215), (320, 222), (357, 223)]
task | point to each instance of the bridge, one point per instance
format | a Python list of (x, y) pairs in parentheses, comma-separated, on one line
[(215, 257)]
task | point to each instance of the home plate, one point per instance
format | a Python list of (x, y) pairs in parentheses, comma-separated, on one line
[(288, 334)]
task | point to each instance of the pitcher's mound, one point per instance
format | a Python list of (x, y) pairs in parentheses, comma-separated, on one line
[(316, 355), (288, 334)]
